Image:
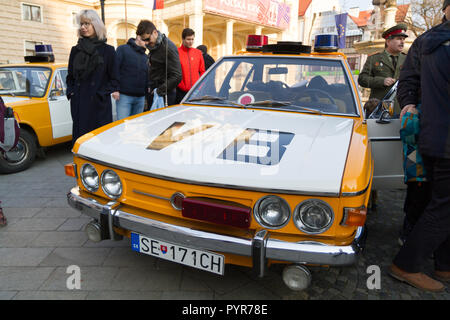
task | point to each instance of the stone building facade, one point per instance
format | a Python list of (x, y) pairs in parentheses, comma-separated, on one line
[(222, 25)]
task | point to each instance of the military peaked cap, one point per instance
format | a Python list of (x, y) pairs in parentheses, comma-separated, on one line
[(395, 31)]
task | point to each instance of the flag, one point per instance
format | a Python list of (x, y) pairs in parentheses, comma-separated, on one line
[(341, 25), (158, 4)]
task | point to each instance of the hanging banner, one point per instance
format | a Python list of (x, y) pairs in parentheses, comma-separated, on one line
[(271, 13)]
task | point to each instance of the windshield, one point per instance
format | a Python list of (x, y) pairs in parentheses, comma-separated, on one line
[(297, 84), (24, 81)]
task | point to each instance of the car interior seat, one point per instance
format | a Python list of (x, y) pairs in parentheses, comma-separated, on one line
[(318, 82)]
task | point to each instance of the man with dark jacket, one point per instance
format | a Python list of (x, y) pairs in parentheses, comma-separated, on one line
[(425, 79), (209, 61), (165, 67), (133, 69)]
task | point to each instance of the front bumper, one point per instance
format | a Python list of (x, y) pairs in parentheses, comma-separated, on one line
[(260, 248)]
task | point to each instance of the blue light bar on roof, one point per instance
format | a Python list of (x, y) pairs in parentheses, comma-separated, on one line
[(44, 53), (326, 43), (43, 49)]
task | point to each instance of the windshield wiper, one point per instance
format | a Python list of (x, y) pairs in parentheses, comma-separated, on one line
[(269, 103), (214, 98), (309, 110), (7, 93)]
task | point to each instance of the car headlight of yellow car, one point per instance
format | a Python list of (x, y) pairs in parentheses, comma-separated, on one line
[(111, 184), (313, 216), (89, 177), (272, 212)]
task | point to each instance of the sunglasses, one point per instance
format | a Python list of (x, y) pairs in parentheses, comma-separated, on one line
[(146, 39)]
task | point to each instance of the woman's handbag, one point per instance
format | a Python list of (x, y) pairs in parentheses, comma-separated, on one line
[(9, 128)]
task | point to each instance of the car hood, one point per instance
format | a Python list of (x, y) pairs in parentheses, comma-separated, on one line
[(10, 99), (229, 147)]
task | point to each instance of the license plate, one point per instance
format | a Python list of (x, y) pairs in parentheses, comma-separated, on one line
[(203, 260)]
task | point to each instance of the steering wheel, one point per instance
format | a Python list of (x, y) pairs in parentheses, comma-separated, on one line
[(283, 85), (314, 94)]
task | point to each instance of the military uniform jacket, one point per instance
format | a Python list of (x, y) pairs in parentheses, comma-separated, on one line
[(378, 67)]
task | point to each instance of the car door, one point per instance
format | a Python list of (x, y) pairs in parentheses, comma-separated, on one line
[(387, 148), (387, 152), (59, 105)]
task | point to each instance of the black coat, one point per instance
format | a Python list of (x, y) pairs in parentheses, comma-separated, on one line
[(164, 52), (90, 100), (133, 69), (425, 78), (209, 61)]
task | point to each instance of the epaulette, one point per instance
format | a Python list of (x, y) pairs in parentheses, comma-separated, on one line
[(374, 54)]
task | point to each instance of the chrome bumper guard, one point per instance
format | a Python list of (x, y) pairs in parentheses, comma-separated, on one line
[(260, 248)]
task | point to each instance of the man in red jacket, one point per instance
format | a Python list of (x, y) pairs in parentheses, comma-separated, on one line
[(192, 63)]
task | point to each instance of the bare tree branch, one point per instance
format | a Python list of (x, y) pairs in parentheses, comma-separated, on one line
[(425, 14)]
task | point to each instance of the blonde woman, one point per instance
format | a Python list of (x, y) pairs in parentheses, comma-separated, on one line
[(92, 76)]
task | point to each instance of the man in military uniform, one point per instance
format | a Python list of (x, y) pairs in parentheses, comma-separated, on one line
[(382, 69)]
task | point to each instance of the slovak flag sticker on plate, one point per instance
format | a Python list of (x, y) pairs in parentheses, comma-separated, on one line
[(135, 243), (163, 249)]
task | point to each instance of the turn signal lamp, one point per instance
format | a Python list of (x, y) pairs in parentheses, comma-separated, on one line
[(216, 211), (71, 169), (354, 217), (256, 42), (326, 43)]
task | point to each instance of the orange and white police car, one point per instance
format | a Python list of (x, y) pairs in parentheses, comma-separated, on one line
[(36, 90), (266, 160)]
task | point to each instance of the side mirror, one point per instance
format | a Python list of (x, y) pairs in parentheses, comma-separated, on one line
[(389, 106), (54, 93), (384, 117), (387, 111)]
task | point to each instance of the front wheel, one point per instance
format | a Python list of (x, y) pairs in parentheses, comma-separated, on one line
[(22, 156)]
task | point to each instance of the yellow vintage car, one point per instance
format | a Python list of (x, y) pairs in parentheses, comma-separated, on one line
[(266, 160), (37, 93)]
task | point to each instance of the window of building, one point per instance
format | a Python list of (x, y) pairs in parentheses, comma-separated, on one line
[(31, 12), (354, 63), (29, 47), (74, 20), (352, 39)]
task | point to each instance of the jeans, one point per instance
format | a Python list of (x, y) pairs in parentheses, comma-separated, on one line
[(128, 105)]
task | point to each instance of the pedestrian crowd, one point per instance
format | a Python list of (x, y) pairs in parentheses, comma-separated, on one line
[(149, 71), (422, 101)]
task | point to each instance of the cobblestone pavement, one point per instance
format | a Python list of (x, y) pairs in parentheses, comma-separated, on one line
[(44, 236)]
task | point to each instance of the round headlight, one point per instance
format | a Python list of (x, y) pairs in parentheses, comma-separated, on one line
[(111, 184), (272, 212), (89, 177), (313, 216)]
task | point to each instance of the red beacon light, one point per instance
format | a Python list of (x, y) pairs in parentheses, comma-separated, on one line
[(256, 42)]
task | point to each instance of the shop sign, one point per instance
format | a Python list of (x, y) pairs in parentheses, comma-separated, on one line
[(272, 13)]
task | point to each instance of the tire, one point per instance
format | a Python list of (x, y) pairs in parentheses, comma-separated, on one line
[(22, 156)]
